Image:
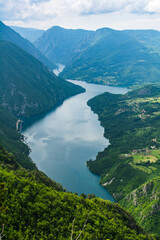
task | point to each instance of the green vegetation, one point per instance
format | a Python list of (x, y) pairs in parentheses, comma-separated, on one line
[(133, 158), (12, 140), (61, 45), (34, 207), (9, 35), (115, 59), (144, 204), (27, 87), (105, 56), (150, 39)]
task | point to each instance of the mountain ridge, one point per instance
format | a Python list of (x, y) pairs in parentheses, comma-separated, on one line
[(27, 87), (98, 57), (8, 34), (31, 34)]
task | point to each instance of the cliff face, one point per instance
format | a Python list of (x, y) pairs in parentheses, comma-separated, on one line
[(144, 204)]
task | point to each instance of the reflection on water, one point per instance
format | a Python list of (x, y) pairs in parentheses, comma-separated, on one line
[(66, 138)]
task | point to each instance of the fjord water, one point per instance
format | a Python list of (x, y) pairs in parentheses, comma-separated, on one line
[(62, 142)]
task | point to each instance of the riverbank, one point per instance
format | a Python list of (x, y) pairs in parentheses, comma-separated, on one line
[(74, 128), (132, 125)]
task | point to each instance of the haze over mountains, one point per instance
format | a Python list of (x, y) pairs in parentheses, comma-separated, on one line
[(29, 33), (105, 56), (8, 34), (61, 45)]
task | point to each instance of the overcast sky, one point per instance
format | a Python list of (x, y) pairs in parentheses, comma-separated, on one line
[(87, 14)]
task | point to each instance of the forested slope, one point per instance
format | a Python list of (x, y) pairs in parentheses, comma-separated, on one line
[(128, 166), (27, 87), (62, 45), (8, 34), (115, 59), (12, 140), (34, 207)]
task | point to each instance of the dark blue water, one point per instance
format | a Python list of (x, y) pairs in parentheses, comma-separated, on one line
[(67, 137)]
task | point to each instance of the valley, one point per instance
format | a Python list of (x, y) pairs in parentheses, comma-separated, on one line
[(105, 56), (62, 135), (73, 128)]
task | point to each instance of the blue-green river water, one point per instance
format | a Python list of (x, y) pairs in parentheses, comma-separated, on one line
[(63, 140)]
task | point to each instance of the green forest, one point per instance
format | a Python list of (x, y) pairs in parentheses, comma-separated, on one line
[(27, 87), (35, 207), (130, 166)]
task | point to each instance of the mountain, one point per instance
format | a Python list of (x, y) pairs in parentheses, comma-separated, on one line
[(35, 207), (106, 56), (130, 166), (27, 87), (12, 140), (115, 59), (31, 34), (149, 38), (61, 45), (144, 204), (8, 34)]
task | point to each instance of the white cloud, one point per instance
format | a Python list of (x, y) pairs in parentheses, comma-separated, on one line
[(23, 9), (49, 11), (153, 6)]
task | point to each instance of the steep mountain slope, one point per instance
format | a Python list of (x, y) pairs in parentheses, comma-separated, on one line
[(32, 34), (149, 38), (61, 45), (27, 87), (12, 140), (115, 59), (34, 207), (144, 204), (8, 34), (104, 56), (130, 166)]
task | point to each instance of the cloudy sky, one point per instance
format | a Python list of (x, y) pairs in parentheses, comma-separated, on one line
[(87, 14)]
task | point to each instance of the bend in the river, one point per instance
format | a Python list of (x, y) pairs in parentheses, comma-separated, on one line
[(67, 137)]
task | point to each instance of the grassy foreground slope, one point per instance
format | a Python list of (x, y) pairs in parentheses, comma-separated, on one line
[(130, 166), (34, 207), (27, 87)]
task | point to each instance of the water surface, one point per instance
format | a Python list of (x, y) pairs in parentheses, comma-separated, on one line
[(59, 69), (67, 137)]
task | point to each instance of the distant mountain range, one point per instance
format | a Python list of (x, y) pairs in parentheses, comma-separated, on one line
[(30, 34), (62, 45), (107, 56), (8, 34)]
